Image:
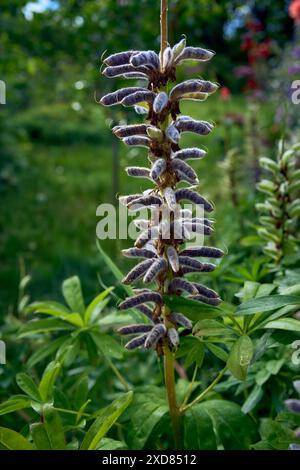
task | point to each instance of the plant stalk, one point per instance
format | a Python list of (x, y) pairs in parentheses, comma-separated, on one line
[(163, 26), (171, 393)]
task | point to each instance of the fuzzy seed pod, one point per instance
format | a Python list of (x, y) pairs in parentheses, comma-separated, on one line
[(179, 284), (140, 110), (191, 125), (137, 272), (170, 198), (146, 311), (137, 141), (138, 97), (160, 102), (200, 220), (129, 130), (183, 167), (189, 154), (206, 300), (181, 176), (173, 134), (158, 168), (188, 194), (141, 299), (201, 229), (136, 342), (173, 337), (142, 224), (193, 87), (167, 58), (138, 253), (150, 200), (190, 262), (203, 290), (294, 446), (117, 96), (181, 320), (194, 53), (148, 58), (120, 58), (154, 133), (194, 96), (120, 70), (205, 251), (178, 48), (133, 329), (149, 234), (157, 267), (293, 405), (135, 76), (173, 258), (157, 332), (124, 200), (138, 172)]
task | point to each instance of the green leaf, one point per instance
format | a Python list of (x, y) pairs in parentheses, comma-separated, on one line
[(42, 326), (253, 399), (113, 268), (217, 351), (104, 422), (233, 430), (44, 351), (96, 305), (274, 365), (40, 436), (111, 444), (14, 404), (146, 413), (107, 345), (262, 376), (72, 293), (48, 306), (267, 304), (48, 380), (28, 386), (191, 308), (192, 349), (54, 428), (211, 328), (12, 440), (240, 357), (290, 324), (198, 430)]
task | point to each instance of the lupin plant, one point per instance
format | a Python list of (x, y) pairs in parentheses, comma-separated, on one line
[(166, 259), (280, 211)]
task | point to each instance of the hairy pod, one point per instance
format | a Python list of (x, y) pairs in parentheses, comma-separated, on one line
[(170, 198), (136, 342), (205, 251), (206, 300), (203, 290), (138, 253), (180, 284), (129, 130), (183, 167), (173, 259), (160, 102), (120, 58), (194, 53), (133, 329), (173, 337), (121, 70), (293, 405), (137, 272), (137, 141), (138, 97), (116, 97), (158, 168), (189, 154), (189, 195), (157, 267), (191, 125), (141, 299), (181, 320), (173, 134), (138, 172), (167, 58), (157, 332), (148, 58)]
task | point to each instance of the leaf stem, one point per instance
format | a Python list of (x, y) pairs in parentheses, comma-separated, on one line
[(118, 374), (190, 389), (183, 409)]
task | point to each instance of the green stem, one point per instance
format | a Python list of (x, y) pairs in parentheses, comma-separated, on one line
[(190, 389), (71, 412), (202, 395), (118, 374), (171, 393)]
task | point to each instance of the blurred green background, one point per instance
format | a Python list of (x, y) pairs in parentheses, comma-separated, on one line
[(59, 160)]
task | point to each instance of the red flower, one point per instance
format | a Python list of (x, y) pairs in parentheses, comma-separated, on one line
[(225, 93), (294, 10)]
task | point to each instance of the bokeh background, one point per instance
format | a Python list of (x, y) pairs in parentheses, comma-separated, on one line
[(58, 158)]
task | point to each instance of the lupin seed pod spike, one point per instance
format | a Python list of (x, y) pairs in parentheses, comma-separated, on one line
[(160, 242)]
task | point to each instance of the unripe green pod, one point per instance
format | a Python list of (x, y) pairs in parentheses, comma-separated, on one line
[(266, 186), (266, 235), (154, 133), (268, 164), (295, 186), (178, 48)]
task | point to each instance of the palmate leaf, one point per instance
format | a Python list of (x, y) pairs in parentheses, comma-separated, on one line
[(107, 345), (108, 416), (218, 423), (267, 304), (289, 324)]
